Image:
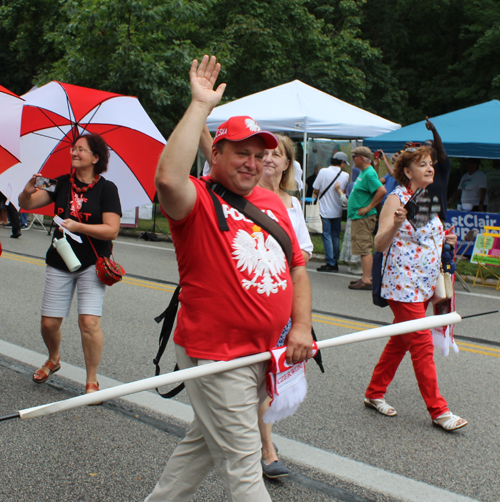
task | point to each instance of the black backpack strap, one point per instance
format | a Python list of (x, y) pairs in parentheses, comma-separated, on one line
[(223, 226), (168, 318), (250, 211)]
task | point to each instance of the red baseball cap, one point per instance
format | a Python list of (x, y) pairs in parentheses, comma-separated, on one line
[(242, 127)]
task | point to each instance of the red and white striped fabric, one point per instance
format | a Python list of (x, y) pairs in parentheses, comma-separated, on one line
[(11, 107), (286, 385)]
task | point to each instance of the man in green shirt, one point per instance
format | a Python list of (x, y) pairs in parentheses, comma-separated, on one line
[(366, 194)]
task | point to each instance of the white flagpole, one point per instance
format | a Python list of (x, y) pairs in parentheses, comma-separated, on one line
[(221, 366)]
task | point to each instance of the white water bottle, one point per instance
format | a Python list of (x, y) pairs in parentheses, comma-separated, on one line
[(67, 254)]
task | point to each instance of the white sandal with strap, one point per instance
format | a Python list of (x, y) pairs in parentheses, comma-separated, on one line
[(449, 422), (381, 406)]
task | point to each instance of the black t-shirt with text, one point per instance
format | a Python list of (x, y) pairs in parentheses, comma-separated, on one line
[(102, 198)]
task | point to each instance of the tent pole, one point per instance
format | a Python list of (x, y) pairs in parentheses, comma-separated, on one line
[(304, 171)]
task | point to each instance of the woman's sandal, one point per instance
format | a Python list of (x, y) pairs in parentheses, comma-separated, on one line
[(449, 422), (92, 387), (381, 406), (43, 374)]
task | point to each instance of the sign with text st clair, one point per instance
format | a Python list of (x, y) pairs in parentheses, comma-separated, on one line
[(464, 221)]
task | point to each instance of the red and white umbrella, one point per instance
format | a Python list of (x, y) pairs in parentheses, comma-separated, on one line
[(11, 109), (56, 114)]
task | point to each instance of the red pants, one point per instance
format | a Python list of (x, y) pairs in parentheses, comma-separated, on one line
[(421, 348)]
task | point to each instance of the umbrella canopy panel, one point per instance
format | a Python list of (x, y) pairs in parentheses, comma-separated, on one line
[(11, 107), (56, 114)]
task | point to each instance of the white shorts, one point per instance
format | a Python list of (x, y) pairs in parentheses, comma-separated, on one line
[(59, 289)]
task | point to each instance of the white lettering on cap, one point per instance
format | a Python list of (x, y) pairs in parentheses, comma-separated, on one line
[(220, 132)]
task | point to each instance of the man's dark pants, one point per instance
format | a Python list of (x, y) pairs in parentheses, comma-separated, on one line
[(331, 239)]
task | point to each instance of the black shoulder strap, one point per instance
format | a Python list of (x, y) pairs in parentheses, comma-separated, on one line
[(328, 187), (168, 318), (250, 211)]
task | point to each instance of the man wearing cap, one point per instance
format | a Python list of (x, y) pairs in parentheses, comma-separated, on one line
[(330, 208), (238, 293), (366, 194)]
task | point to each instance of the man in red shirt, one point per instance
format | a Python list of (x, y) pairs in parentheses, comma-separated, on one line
[(238, 292)]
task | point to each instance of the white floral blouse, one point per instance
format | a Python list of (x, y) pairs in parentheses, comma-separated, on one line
[(414, 260)]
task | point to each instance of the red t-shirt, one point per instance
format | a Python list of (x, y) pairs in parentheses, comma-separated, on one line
[(237, 291)]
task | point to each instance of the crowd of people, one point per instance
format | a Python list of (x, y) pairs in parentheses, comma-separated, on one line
[(256, 267)]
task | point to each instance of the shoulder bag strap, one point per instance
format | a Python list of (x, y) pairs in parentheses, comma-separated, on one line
[(168, 318), (328, 187), (251, 211), (385, 264)]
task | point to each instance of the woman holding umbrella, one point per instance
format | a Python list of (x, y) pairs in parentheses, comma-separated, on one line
[(90, 208)]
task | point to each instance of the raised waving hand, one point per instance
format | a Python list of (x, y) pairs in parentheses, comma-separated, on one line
[(203, 77)]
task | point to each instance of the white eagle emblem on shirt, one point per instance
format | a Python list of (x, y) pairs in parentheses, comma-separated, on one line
[(262, 257)]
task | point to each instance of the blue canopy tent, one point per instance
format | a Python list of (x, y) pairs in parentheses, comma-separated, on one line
[(470, 132)]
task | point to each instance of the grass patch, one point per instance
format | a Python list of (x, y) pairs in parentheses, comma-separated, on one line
[(318, 243), (161, 222), (465, 267)]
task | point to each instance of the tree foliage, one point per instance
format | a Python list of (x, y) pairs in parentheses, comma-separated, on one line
[(133, 47), (442, 52), (478, 72), (24, 49), (397, 58)]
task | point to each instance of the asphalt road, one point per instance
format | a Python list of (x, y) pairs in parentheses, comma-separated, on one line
[(338, 449)]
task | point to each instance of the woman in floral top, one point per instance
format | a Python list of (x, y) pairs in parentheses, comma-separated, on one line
[(413, 254)]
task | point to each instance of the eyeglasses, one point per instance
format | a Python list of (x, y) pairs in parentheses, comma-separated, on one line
[(78, 149)]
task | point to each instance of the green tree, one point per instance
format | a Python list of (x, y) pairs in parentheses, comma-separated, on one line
[(419, 42), (268, 43), (443, 53), (132, 47), (24, 49), (395, 58), (356, 55), (478, 71)]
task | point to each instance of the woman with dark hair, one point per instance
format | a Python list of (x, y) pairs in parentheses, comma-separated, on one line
[(90, 208), (412, 250)]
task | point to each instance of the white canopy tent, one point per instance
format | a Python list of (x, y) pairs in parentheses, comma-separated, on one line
[(301, 111)]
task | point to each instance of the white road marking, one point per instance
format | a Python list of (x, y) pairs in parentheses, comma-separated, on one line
[(372, 478), (143, 245)]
